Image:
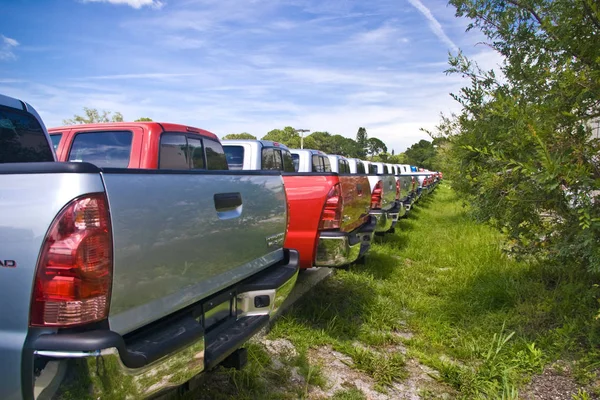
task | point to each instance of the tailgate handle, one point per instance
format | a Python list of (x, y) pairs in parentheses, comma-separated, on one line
[(228, 205)]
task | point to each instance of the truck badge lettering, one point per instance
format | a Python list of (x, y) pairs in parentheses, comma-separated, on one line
[(8, 263), (275, 240)]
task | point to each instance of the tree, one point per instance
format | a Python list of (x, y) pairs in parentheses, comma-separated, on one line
[(362, 141), (375, 147), (243, 135), (92, 115), (322, 141), (289, 137), (143, 119), (344, 146), (521, 150), (421, 154)]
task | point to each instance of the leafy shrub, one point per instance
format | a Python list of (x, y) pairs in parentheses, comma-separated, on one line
[(521, 151)]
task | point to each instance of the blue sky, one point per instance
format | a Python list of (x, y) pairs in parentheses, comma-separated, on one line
[(240, 65)]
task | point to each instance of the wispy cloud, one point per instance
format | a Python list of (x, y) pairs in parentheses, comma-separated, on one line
[(434, 24), (7, 46), (230, 67), (137, 76), (137, 4)]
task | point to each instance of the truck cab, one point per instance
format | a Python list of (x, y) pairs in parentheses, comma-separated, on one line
[(255, 155)]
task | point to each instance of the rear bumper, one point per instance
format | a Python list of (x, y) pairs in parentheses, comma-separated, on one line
[(103, 364), (336, 249), (387, 219)]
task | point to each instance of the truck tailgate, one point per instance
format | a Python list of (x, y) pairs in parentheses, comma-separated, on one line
[(357, 200), (388, 196), (405, 185), (179, 237)]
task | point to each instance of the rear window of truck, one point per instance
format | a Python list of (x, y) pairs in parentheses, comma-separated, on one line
[(296, 161), (360, 167), (234, 156), (343, 166), (22, 138), (180, 151), (271, 159), (372, 169), (320, 164), (103, 149)]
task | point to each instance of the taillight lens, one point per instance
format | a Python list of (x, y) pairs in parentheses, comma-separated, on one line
[(287, 219), (376, 195), (74, 273), (397, 190), (331, 217)]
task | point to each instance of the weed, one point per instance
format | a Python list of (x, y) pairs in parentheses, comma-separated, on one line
[(348, 394), (485, 321)]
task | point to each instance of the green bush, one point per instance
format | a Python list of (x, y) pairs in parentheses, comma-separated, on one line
[(521, 151)]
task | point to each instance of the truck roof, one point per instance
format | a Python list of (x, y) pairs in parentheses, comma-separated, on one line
[(264, 143), (165, 126), (309, 151), (337, 156)]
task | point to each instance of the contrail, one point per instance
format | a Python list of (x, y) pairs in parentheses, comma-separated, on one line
[(435, 26)]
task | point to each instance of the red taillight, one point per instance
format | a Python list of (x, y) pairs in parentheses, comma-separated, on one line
[(74, 272), (287, 219), (331, 217), (376, 196), (397, 190)]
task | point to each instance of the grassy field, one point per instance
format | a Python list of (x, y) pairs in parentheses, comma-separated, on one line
[(438, 311)]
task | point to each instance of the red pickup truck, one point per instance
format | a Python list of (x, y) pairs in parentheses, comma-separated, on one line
[(330, 223)]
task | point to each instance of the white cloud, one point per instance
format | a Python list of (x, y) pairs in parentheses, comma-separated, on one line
[(376, 35), (434, 24), (6, 48), (137, 4)]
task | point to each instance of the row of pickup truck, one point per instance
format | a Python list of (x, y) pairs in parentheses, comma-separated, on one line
[(134, 256)]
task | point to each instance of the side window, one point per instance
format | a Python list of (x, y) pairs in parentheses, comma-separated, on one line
[(326, 164), (56, 140), (22, 138), (296, 161), (268, 159), (288, 163), (215, 156), (372, 169), (103, 149), (173, 152), (317, 165), (360, 167), (196, 153), (386, 170), (235, 157)]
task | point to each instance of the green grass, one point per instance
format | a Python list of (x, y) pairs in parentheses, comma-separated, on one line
[(484, 321)]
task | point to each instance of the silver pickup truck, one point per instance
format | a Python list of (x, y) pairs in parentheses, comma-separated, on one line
[(385, 192), (122, 283)]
